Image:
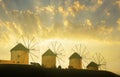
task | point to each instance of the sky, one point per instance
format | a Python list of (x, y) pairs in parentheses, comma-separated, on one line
[(95, 24)]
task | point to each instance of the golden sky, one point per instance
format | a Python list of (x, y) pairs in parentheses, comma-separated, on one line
[(93, 23)]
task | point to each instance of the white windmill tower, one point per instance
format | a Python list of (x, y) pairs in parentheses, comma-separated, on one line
[(55, 52), (20, 54), (24, 50), (98, 62), (79, 58)]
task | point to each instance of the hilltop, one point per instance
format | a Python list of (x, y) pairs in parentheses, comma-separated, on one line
[(18, 70)]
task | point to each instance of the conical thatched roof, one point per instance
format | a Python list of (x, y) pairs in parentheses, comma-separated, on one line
[(75, 55), (92, 64), (19, 46), (49, 53)]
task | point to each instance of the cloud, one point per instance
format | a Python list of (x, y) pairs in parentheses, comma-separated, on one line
[(3, 7), (48, 9), (105, 29), (107, 13), (63, 11), (78, 6), (72, 9), (95, 5), (100, 2), (118, 3), (64, 24), (118, 22), (105, 33), (88, 22)]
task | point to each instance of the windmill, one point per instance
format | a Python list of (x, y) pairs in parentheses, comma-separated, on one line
[(83, 52), (100, 61), (57, 48), (30, 43)]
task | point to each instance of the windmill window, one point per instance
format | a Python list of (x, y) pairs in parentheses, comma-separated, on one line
[(18, 62), (18, 56)]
